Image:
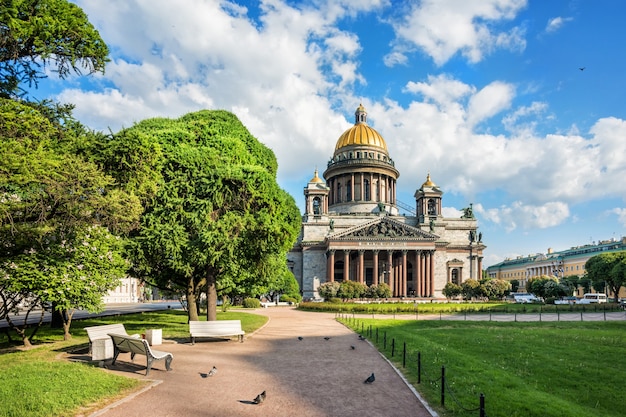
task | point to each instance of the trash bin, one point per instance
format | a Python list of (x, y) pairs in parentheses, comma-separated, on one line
[(154, 336)]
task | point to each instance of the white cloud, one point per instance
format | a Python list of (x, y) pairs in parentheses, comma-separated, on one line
[(489, 101), (442, 28), (557, 23), (294, 78), (620, 213), (518, 214)]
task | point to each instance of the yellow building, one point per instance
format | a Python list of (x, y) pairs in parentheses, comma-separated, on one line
[(561, 264)]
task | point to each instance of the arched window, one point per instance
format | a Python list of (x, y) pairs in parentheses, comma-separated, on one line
[(316, 205), (366, 185)]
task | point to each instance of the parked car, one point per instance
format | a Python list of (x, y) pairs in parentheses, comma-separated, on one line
[(525, 298), (593, 298), (566, 300)]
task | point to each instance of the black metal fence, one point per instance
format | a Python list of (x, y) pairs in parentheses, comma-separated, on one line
[(392, 347)]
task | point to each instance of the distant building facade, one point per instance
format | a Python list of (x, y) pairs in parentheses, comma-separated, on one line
[(561, 264), (352, 228)]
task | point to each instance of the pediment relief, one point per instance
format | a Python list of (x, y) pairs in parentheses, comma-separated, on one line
[(384, 228)]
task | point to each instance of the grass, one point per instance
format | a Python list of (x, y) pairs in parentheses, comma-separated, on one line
[(523, 369), (37, 383)]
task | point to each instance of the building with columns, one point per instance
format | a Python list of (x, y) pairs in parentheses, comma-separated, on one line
[(560, 264), (352, 228)]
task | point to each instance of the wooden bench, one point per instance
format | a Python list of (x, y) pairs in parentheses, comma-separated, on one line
[(128, 344), (214, 329), (100, 345)]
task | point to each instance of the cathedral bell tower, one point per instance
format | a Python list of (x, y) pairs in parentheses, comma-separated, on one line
[(428, 201), (316, 199)]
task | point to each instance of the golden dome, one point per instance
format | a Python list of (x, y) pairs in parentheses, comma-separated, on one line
[(428, 182), (316, 178), (361, 134)]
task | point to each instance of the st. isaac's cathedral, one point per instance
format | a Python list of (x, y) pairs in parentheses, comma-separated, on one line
[(352, 228)]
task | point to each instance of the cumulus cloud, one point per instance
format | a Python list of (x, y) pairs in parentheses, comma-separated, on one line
[(519, 214), (442, 28), (294, 77)]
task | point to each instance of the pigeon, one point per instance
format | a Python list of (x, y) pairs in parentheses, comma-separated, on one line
[(259, 398), (326, 338), (212, 371), (300, 338), (352, 347), (370, 379), (361, 337)]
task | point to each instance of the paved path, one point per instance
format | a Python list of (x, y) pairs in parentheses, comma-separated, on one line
[(313, 377)]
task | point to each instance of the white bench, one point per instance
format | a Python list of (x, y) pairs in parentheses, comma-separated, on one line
[(128, 344), (218, 328)]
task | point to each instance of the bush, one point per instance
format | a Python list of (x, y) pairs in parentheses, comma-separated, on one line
[(251, 303), (288, 299), (297, 298)]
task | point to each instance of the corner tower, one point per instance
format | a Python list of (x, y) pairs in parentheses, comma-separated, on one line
[(361, 176)]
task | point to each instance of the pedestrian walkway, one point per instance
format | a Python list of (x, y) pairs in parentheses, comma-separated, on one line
[(314, 377)]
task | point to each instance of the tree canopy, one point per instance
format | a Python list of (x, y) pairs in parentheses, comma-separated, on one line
[(52, 199), (607, 269), (35, 34), (215, 217)]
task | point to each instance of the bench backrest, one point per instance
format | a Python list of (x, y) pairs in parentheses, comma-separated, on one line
[(102, 332), (221, 325), (130, 344)]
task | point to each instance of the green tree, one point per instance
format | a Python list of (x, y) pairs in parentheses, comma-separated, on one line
[(36, 35), (471, 289), (49, 194), (514, 285), (607, 269), (495, 289), (451, 290), (72, 273), (215, 218)]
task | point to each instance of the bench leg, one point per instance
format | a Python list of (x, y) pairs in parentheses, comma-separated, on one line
[(115, 354), (148, 365), (168, 362)]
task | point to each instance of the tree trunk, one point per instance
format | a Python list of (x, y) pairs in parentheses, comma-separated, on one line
[(192, 305), (211, 298), (67, 323)]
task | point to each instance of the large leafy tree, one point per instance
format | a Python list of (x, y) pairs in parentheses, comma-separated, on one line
[(607, 269), (50, 197), (40, 34), (215, 217)]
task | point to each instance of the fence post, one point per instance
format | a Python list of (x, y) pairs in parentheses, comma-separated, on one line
[(482, 405), (419, 367), (393, 347), (404, 354), (377, 335), (443, 385), (385, 340)]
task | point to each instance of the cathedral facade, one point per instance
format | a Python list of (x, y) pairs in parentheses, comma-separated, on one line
[(352, 228)]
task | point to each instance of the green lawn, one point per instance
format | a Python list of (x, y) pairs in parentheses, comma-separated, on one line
[(523, 369), (36, 383)]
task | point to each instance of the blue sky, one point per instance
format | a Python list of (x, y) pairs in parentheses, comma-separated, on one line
[(486, 95)]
